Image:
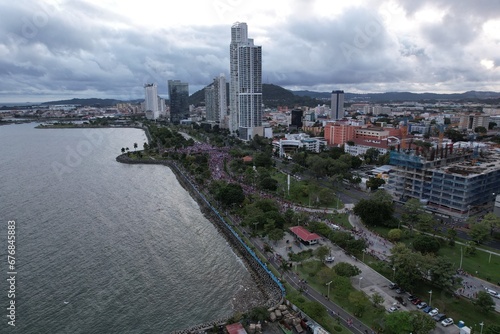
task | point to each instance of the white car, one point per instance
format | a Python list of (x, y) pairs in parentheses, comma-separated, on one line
[(433, 312), (492, 293), (392, 309), (446, 322), (329, 259)]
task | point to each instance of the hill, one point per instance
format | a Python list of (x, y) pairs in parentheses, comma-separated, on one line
[(406, 96), (93, 102), (272, 96)]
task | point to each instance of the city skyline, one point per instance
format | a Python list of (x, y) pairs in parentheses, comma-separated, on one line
[(61, 49)]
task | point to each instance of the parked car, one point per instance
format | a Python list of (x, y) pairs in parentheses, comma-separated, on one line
[(411, 298), (446, 322), (393, 286), (400, 290), (422, 305), (400, 300), (416, 301), (439, 317), (427, 309), (433, 312), (392, 309), (329, 259)]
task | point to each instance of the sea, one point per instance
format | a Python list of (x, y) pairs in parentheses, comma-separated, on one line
[(100, 246)]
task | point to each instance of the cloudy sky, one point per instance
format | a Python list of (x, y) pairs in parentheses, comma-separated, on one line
[(54, 49)]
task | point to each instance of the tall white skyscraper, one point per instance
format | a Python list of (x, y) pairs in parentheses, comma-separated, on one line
[(216, 101), (337, 111), (245, 89), (151, 100)]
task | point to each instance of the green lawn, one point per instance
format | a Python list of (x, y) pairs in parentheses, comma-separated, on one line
[(488, 268)]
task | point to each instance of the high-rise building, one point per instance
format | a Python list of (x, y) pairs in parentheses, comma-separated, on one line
[(151, 100), (178, 93), (216, 101), (337, 111), (245, 94)]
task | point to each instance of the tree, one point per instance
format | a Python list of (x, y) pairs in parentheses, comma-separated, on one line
[(394, 234), (276, 234), (412, 208), (492, 220), (397, 323), (426, 244), (359, 302), (371, 155), (259, 314), (145, 146), (484, 302), (322, 252), (374, 213), (425, 222), (374, 183), (123, 150), (406, 264), (135, 146), (492, 329), (481, 130), (421, 323), (268, 183), (346, 269), (377, 299), (480, 232)]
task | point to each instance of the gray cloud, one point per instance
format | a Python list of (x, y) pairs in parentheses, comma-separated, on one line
[(78, 49)]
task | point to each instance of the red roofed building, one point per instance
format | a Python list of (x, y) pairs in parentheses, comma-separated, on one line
[(236, 328), (304, 235)]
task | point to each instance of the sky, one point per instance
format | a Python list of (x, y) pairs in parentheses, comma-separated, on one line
[(60, 49)]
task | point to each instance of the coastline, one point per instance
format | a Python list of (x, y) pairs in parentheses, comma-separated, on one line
[(263, 278)]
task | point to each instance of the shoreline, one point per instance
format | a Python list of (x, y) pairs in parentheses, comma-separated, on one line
[(264, 280)]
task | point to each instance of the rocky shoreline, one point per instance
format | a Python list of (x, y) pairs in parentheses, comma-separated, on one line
[(261, 275)]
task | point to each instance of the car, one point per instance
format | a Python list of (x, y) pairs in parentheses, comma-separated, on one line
[(427, 309), (392, 309), (439, 317), (400, 290), (446, 322), (422, 305), (329, 259), (493, 293), (393, 286), (433, 312), (416, 301), (411, 298), (400, 300)]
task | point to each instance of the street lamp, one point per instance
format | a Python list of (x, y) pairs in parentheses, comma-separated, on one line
[(481, 324), (359, 285), (328, 295), (430, 298), (393, 273)]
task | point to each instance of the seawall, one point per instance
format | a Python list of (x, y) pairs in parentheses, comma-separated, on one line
[(264, 279)]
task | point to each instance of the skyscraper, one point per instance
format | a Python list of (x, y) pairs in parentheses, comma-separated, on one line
[(337, 111), (245, 94), (151, 100), (178, 93), (216, 101)]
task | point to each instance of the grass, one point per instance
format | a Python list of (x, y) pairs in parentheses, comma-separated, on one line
[(488, 270), (308, 270)]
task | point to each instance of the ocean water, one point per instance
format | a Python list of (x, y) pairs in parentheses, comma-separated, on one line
[(104, 247)]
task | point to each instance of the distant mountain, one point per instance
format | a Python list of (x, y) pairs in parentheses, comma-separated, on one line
[(91, 102), (405, 96), (272, 95)]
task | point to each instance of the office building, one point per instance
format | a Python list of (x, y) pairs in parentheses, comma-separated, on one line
[(451, 178), (178, 93), (151, 101), (246, 84), (337, 110), (216, 101)]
